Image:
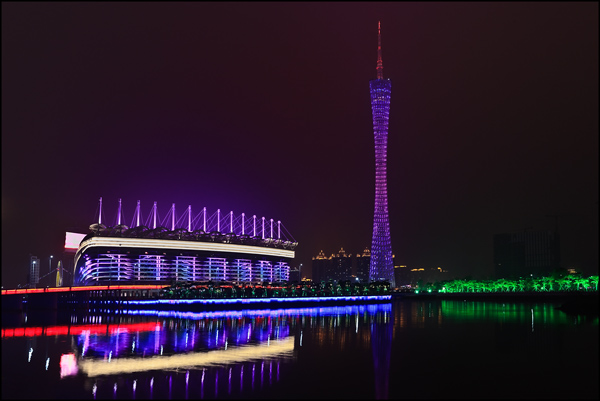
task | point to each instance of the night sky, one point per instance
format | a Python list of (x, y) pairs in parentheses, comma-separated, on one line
[(264, 108)]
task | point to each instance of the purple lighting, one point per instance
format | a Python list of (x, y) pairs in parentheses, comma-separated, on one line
[(173, 217), (232, 224), (119, 213), (192, 248), (262, 301), (154, 213), (137, 214), (382, 266)]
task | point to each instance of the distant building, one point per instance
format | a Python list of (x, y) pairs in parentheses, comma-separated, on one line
[(417, 276), (526, 253), (342, 266), (320, 265), (335, 267), (34, 271), (402, 275), (362, 262), (295, 274)]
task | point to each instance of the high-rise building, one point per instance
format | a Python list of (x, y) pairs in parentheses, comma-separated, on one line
[(526, 253), (336, 267), (341, 266), (320, 267), (34, 271), (296, 273), (363, 263), (382, 265), (419, 276)]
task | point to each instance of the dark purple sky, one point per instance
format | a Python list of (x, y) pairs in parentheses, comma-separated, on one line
[(263, 108)]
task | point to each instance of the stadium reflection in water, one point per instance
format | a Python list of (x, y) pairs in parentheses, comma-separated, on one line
[(239, 354), (409, 349)]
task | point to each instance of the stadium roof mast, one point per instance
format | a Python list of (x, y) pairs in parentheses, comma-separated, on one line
[(100, 213), (119, 214), (137, 214)]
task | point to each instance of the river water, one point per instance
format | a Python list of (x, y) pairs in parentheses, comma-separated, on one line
[(405, 349)]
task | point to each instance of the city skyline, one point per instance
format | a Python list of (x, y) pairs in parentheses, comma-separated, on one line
[(264, 109)]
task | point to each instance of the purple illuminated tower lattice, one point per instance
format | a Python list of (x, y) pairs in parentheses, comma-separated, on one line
[(382, 266)]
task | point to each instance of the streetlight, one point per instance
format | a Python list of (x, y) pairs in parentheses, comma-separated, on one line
[(32, 276), (50, 264)]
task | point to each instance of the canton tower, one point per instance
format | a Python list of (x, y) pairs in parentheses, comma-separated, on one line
[(382, 266)]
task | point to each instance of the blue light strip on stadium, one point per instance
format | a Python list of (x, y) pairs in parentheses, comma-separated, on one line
[(245, 301)]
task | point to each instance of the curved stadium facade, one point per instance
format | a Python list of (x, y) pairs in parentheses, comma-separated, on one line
[(120, 255)]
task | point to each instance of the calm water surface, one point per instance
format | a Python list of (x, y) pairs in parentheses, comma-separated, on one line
[(402, 350)]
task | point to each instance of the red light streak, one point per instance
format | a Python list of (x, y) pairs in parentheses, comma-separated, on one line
[(76, 330), (89, 288)]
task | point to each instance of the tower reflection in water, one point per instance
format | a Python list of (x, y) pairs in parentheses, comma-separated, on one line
[(382, 333), (218, 354)]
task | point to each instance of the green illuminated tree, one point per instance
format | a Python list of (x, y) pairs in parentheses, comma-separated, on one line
[(548, 284), (460, 285), (582, 283), (365, 290), (338, 290), (563, 283), (450, 286), (502, 285), (346, 288), (572, 282)]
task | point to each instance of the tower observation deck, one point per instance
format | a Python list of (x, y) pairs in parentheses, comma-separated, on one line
[(382, 266)]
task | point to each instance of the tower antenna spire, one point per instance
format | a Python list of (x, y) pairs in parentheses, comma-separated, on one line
[(379, 60)]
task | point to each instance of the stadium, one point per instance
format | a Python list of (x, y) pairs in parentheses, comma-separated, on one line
[(204, 248)]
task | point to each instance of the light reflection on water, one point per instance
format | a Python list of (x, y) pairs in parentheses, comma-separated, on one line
[(304, 352), (156, 354)]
